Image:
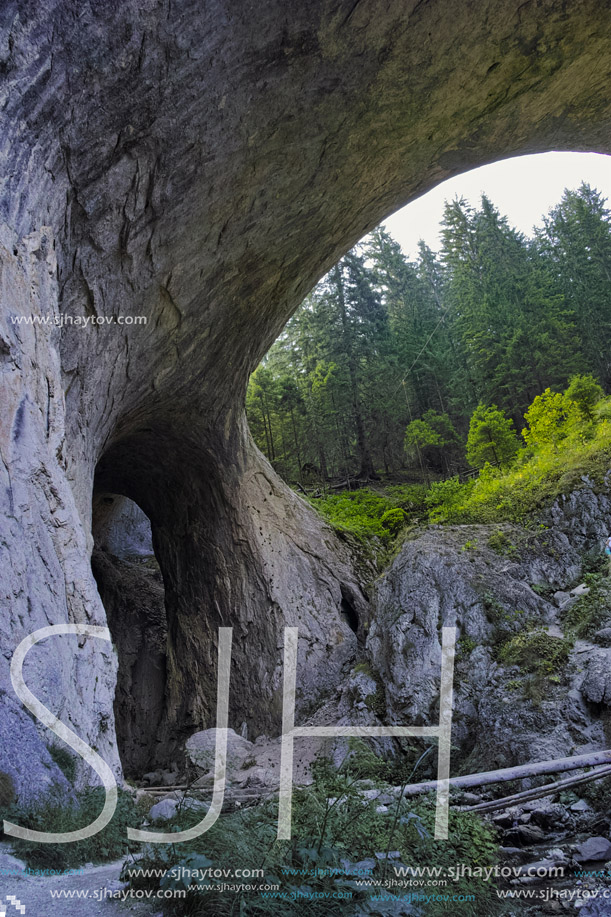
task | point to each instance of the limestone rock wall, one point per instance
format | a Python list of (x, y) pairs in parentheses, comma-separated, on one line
[(454, 576), (175, 176), (44, 546)]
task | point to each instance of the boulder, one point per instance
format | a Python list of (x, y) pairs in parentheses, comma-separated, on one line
[(549, 816), (580, 807), (596, 684), (164, 810), (524, 836), (594, 849), (564, 600), (603, 636), (201, 749)]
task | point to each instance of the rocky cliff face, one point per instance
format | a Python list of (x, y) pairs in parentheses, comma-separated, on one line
[(507, 590), (175, 176)]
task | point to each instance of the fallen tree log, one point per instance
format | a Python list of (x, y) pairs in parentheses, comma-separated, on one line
[(538, 792), (519, 772)]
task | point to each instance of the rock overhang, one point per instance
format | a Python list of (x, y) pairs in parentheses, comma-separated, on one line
[(203, 165)]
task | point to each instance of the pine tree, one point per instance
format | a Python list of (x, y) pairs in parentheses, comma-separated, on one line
[(492, 438), (576, 242)]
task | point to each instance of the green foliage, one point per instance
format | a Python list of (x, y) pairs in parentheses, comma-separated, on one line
[(576, 244), (384, 345), (494, 496), (541, 658), (393, 520), (359, 512), (585, 391), (64, 760), (369, 514), (411, 498), (419, 435), (591, 612), (363, 668), (376, 702), (331, 822), (465, 647), (387, 355), (514, 495), (551, 418), (502, 545), (536, 652), (514, 684), (61, 816), (430, 439), (507, 622), (446, 498), (492, 438), (7, 790)]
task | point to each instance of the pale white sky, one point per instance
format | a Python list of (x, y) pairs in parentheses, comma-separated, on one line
[(523, 189)]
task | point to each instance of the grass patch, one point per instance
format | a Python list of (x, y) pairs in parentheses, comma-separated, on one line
[(368, 514), (536, 479), (591, 612), (332, 824), (64, 760), (538, 476), (502, 545), (536, 652), (541, 658), (58, 815)]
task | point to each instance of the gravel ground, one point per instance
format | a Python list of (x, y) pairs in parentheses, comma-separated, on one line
[(35, 892)]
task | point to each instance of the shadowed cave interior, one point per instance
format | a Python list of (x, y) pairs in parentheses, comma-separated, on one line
[(131, 587)]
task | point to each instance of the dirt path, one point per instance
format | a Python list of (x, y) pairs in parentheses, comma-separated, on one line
[(97, 884)]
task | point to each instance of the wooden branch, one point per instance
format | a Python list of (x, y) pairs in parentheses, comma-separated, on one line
[(163, 789), (538, 792), (504, 774)]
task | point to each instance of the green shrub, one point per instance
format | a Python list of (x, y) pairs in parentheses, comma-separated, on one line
[(367, 514), (393, 521), (465, 647), (331, 822), (64, 760), (502, 545), (551, 418), (446, 500), (536, 652), (585, 391), (411, 498), (7, 790), (58, 816), (534, 481), (359, 512), (591, 612)]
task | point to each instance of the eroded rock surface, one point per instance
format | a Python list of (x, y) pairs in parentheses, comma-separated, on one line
[(496, 583), (201, 166)]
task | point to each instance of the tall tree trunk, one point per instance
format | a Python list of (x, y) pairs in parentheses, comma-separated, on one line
[(267, 414), (361, 439), (264, 419), (297, 449)]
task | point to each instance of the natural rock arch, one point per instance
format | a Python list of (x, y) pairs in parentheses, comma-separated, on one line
[(202, 165)]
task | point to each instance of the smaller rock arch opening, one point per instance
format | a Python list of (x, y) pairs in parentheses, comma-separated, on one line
[(131, 586), (348, 611)]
